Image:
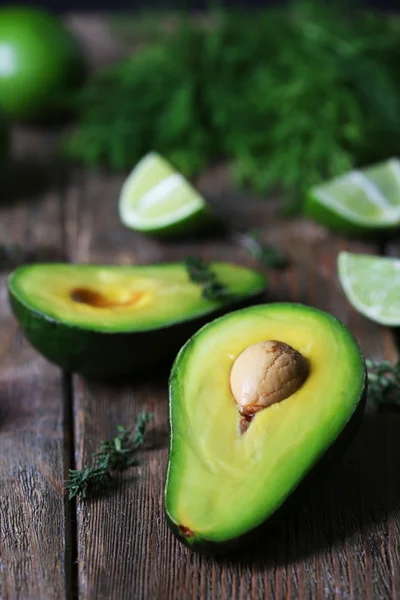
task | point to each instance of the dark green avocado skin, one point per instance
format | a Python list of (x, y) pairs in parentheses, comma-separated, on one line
[(99, 354), (333, 453)]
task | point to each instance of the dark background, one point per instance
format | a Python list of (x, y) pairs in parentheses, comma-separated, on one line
[(65, 5)]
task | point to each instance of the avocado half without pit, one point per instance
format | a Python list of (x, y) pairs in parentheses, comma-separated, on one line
[(105, 321), (257, 397)]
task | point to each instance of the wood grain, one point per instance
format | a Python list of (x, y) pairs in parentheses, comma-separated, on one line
[(339, 541), (34, 520)]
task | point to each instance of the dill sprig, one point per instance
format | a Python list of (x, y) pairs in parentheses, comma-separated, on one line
[(383, 384), (114, 455), (200, 272)]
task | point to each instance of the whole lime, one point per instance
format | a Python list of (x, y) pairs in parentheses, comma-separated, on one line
[(39, 62)]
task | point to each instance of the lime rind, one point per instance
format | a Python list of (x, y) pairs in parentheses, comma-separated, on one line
[(372, 286), (155, 197)]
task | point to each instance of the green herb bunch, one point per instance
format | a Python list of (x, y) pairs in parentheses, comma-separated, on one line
[(287, 96), (114, 455)]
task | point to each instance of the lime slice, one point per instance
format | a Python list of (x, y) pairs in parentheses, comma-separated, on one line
[(361, 200), (372, 286), (156, 199)]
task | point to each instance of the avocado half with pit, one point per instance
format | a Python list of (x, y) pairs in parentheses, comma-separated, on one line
[(257, 397), (105, 321)]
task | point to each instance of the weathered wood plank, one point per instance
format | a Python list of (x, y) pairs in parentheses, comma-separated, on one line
[(339, 541), (34, 520)]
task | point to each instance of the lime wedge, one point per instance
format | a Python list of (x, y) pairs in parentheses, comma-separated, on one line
[(372, 286), (156, 199), (386, 177), (361, 200)]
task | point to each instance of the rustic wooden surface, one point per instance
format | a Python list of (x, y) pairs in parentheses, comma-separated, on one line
[(341, 538), (35, 519)]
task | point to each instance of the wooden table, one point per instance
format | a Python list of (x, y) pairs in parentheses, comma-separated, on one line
[(340, 541)]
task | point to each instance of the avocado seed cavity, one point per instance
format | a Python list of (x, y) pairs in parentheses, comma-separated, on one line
[(96, 299), (263, 374)]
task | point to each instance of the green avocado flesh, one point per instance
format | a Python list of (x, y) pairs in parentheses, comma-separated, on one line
[(222, 484), (110, 320)]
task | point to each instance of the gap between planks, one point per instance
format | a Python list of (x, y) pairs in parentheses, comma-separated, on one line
[(71, 194), (69, 457)]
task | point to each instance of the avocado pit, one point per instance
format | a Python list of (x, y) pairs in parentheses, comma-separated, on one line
[(264, 374)]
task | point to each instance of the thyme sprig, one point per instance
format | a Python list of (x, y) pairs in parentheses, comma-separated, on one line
[(200, 272), (269, 256), (383, 384), (114, 455)]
